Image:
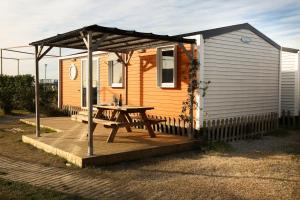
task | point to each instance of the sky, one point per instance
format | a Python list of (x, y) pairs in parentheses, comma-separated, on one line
[(25, 21)]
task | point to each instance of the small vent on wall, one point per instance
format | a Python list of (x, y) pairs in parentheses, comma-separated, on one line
[(246, 39)]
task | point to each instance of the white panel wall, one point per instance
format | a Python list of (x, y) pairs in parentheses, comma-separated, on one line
[(244, 76), (290, 82)]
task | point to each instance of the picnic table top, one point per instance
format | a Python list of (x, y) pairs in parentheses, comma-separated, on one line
[(124, 108)]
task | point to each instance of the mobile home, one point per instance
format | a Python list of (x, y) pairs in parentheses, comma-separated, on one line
[(242, 64), (290, 80)]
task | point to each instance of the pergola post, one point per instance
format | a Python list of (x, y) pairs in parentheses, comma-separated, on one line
[(38, 56), (125, 61), (90, 93), (37, 94)]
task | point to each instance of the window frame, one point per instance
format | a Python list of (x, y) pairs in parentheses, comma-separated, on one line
[(114, 58), (159, 67)]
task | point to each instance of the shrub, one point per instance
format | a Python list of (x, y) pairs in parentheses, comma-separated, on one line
[(24, 92), (53, 111), (17, 92), (7, 90)]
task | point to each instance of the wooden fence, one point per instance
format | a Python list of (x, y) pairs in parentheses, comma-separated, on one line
[(288, 120), (71, 110), (240, 128), (232, 129)]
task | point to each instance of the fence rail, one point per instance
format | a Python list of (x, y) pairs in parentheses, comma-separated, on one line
[(232, 129)]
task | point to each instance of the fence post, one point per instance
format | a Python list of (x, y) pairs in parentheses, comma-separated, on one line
[(230, 130), (222, 130), (226, 130), (238, 129), (209, 135), (218, 138)]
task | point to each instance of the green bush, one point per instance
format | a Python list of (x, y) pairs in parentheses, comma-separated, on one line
[(17, 92), (7, 91), (53, 111), (24, 92)]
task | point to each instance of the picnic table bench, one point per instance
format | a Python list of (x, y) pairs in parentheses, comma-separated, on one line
[(121, 118)]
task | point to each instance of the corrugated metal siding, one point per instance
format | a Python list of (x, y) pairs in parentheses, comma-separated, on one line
[(289, 82), (244, 77)]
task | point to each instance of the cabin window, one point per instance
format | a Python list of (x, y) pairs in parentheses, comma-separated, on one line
[(166, 67), (115, 73)]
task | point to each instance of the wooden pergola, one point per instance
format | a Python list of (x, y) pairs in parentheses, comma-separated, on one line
[(98, 38)]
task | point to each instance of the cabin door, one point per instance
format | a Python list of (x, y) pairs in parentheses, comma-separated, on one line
[(95, 83)]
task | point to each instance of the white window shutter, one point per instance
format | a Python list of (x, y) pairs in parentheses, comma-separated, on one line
[(175, 66)]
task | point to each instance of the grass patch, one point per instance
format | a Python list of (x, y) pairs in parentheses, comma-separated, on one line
[(15, 113), (11, 145), (220, 147), (20, 112), (22, 191)]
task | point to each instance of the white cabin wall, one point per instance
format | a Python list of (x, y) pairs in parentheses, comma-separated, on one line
[(244, 76), (290, 82)]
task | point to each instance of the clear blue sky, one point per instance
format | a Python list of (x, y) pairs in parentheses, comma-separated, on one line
[(24, 21)]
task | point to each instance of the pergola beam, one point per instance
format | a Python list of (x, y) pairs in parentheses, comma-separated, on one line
[(78, 40), (98, 41), (142, 46)]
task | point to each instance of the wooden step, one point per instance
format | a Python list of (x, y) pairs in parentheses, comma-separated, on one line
[(83, 112)]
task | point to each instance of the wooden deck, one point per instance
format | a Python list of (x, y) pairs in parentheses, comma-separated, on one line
[(70, 143)]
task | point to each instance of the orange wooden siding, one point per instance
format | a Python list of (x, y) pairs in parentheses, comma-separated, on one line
[(142, 84)]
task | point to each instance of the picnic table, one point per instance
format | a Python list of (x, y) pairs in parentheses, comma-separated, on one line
[(121, 118)]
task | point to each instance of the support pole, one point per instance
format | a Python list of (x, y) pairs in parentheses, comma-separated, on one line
[(1, 63), (125, 63), (126, 84), (90, 94), (37, 95), (18, 60)]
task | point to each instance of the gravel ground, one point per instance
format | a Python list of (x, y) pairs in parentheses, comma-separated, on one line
[(267, 168)]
